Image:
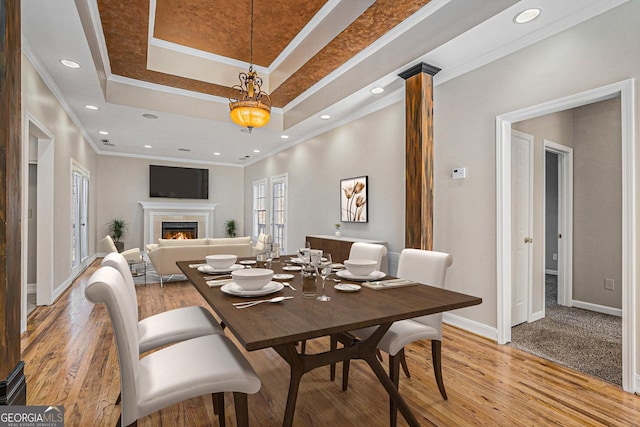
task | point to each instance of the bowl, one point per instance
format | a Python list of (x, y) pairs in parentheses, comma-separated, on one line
[(252, 279), (360, 267), (221, 261)]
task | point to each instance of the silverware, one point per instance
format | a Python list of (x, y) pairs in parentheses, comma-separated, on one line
[(288, 285), (252, 303), (335, 280), (224, 276)]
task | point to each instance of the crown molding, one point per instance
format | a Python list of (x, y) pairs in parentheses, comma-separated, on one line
[(27, 50)]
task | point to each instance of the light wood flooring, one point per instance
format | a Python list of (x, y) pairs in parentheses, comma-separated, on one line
[(71, 360)]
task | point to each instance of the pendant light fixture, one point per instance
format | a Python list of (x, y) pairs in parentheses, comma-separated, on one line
[(251, 107)]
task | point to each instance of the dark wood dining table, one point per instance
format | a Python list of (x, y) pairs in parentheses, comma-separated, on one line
[(280, 326)]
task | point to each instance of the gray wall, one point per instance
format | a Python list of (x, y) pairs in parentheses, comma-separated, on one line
[(551, 212), (69, 143), (124, 181), (597, 199), (372, 146)]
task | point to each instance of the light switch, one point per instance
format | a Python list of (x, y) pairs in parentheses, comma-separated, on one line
[(459, 173)]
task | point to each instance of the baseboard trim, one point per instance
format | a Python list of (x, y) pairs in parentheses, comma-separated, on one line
[(470, 326), (636, 386), (598, 308), (13, 389), (552, 272), (64, 285), (536, 316)]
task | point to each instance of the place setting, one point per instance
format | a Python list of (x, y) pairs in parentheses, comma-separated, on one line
[(360, 270), (220, 264), (254, 282)]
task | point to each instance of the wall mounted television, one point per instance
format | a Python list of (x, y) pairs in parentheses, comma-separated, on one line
[(178, 183)]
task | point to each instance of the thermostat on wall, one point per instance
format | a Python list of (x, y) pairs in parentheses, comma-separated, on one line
[(458, 173)]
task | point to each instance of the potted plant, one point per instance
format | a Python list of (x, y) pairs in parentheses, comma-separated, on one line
[(338, 234), (117, 227), (230, 226)]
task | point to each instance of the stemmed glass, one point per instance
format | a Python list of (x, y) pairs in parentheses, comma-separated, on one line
[(325, 271)]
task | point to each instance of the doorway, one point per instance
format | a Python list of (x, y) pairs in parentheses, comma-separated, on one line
[(37, 253), (624, 90)]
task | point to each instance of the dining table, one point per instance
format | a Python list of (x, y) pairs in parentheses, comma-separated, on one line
[(282, 325)]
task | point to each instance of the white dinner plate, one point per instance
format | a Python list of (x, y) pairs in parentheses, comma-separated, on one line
[(345, 274), (210, 270), (292, 268), (297, 260), (347, 287), (337, 266), (282, 276), (248, 262), (235, 290)]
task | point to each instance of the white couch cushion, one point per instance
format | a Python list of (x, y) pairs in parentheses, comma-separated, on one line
[(182, 242), (229, 241)]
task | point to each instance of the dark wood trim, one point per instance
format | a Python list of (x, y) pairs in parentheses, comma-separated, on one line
[(419, 68), (13, 389), (10, 199)]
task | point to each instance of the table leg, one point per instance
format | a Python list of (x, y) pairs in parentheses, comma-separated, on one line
[(365, 350)]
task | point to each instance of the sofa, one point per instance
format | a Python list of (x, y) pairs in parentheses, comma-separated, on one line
[(106, 245), (167, 252)]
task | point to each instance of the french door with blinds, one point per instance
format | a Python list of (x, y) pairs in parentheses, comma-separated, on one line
[(79, 215), (279, 211)]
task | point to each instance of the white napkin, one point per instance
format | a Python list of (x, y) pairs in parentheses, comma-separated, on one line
[(386, 284), (214, 283)]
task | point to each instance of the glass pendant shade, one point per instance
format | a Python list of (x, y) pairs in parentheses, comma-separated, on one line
[(250, 114)]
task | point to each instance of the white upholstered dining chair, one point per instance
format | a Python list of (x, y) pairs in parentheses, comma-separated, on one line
[(210, 364), (371, 251), (430, 268), (167, 327)]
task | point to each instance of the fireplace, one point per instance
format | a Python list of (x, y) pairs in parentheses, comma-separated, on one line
[(179, 229)]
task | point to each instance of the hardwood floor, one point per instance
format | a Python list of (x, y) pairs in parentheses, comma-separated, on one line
[(71, 360)]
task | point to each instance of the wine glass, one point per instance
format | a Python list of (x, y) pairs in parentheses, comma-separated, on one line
[(325, 271)]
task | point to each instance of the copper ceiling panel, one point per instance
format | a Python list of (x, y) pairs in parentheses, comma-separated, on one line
[(125, 27), (375, 22), (125, 24), (222, 27)]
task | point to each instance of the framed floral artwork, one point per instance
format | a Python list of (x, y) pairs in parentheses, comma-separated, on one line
[(353, 199)]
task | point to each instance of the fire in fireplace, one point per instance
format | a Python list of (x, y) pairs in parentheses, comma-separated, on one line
[(179, 230)]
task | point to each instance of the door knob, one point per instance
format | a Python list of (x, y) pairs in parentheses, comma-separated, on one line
[(528, 240)]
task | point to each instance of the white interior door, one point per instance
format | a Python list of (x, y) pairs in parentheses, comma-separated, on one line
[(521, 223)]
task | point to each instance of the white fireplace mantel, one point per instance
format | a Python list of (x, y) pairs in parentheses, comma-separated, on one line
[(156, 212)]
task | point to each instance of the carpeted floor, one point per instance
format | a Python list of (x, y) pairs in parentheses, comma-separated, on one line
[(580, 339)]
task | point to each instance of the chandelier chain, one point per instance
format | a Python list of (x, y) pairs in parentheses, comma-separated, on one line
[(251, 39)]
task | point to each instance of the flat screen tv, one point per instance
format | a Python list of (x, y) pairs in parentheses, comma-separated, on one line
[(178, 183)]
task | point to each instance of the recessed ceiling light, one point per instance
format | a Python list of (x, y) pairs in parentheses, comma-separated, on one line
[(377, 90), (149, 116), (325, 117), (69, 63), (103, 132), (527, 16), (91, 107), (147, 146), (256, 151), (216, 154), (284, 136)]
